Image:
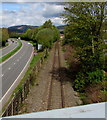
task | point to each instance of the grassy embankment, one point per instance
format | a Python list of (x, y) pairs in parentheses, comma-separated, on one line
[(11, 53)]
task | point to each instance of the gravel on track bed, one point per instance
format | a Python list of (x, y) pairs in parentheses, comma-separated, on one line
[(38, 98)]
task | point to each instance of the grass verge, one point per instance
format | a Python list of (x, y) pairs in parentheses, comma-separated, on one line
[(11, 53)]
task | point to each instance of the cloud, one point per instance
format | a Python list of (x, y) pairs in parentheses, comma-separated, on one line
[(34, 1), (57, 21), (52, 10), (32, 14)]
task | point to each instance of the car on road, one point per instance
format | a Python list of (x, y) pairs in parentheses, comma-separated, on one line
[(29, 43)]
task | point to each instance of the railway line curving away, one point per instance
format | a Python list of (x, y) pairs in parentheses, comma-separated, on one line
[(53, 89)]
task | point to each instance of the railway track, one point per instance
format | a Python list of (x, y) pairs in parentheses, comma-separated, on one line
[(54, 89), (56, 96)]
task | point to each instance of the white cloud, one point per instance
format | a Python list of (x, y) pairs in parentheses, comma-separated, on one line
[(33, 14), (34, 0), (52, 10), (57, 21)]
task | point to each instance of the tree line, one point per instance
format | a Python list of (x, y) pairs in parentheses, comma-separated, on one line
[(45, 35), (4, 36), (84, 31)]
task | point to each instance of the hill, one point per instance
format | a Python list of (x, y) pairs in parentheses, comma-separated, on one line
[(23, 28), (20, 28)]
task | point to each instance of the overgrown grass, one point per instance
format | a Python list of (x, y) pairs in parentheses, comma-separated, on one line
[(11, 53)]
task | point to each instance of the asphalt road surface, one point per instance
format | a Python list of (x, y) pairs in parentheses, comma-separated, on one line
[(14, 66), (9, 48)]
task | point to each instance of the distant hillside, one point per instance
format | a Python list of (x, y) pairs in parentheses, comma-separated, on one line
[(61, 28), (20, 28), (23, 28)]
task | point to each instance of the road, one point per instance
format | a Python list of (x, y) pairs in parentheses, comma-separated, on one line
[(12, 68), (8, 49)]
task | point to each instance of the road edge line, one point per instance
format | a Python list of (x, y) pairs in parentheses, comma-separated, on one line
[(12, 55), (15, 83), (10, 51)]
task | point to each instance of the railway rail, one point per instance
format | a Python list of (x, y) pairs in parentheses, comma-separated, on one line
[(54, 89), (56, 82)]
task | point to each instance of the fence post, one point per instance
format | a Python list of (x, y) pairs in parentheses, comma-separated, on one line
[(9, 110), (14, 105), (27, 87), (5, 113), (21, 95), (25, 91)]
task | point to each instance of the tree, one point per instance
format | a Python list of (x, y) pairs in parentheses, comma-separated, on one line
[(45, 37), (84, 30), (5, 36), (13, 35), (85, 24), (35, 34), (47, 24), (56, 34)]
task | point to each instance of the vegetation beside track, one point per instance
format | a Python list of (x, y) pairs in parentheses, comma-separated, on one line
[(84, 36)]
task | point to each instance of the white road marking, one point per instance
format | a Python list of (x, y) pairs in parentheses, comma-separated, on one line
[(2, 75), (13, 55), (7, 94), (9, 68)]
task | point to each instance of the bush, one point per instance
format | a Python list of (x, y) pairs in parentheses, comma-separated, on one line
[(105, 66), (96, 76), (80, 81), (85, 79)]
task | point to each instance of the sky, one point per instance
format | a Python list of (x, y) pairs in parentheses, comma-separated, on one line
[(35, 13)]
